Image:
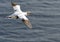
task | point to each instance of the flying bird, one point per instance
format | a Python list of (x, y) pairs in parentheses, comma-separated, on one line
[(18, 13)]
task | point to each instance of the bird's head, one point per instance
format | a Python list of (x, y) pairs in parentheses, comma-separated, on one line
[(13, 4)]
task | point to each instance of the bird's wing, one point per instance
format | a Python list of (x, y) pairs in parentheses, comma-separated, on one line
[(27, 23), (13, 16)]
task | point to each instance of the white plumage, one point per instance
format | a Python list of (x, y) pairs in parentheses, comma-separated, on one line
[(19, 14)]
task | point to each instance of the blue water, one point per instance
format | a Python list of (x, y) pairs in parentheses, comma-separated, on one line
[(45, 19)]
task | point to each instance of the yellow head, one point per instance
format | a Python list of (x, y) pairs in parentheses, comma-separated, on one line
[(13, 4)]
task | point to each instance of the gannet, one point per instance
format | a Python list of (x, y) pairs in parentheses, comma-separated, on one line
[(18, 13)]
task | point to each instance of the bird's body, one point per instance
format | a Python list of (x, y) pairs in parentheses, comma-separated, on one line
[(19, 14)]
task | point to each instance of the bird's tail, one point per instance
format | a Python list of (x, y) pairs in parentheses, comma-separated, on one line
[(28, 12)]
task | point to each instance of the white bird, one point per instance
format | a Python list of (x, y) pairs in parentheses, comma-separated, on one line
[(19, 14)]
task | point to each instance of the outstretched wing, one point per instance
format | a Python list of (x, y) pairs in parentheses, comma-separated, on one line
[(27, 23), (12, 17)]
